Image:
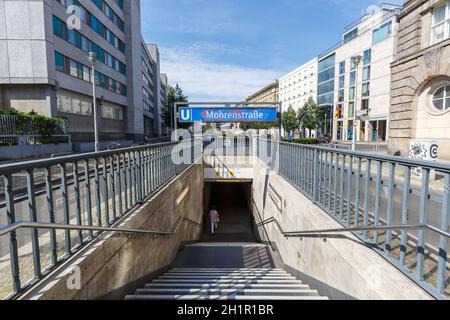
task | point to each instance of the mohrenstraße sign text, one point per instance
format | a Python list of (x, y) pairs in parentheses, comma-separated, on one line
[(234, 115)]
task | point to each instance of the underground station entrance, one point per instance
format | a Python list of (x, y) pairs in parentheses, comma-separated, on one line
[(228, 190)]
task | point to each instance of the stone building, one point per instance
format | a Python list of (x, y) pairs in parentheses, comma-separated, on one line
[(420, 82), (269, 93)]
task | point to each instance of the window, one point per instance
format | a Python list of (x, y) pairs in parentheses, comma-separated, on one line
[(367, 58), (59, 61), (366, 73), (365, 104), (441, 23), (341, 82), (350, 35), (342, 67), (341, 95), (441, 99), (351, 109), (382, 33), (73, 68), (351, 95), (365, 89), (352, 78)]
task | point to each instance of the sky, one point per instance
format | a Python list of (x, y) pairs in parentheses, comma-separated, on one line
[(225, 50)]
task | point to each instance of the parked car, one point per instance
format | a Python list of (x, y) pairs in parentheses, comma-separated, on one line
[(325, 138)]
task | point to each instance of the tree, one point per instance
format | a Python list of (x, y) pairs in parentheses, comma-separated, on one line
[(289, 120), (173, 95), (310, 115)]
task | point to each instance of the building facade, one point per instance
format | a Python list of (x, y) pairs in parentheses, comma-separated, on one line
[(353, 78), (420, 98), (299, 85), (47, 69), (269, 93)]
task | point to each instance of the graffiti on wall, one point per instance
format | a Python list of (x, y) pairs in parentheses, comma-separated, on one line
[(424, 151)]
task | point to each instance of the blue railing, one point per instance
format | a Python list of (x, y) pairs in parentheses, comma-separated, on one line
[(370, 190), (94, 189)]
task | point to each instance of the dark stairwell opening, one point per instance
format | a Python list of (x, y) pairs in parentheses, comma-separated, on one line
[(235, 220)]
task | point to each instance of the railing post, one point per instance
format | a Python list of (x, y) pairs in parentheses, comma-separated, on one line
[(443, 242), (77, 201), (105, 192), (51, 213), (119, 180), (367, 195), (349, 190), (342, 184), (11, 217), (378, 199), (65, 196), (405, 215), (315, 173), (33, 218), (112, 176), (422, 220), (87, 186), (390, 207), (357, 191), (98, 192)]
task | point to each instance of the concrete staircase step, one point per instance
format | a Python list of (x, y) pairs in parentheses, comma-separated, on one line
[(231, 273), (211, 281), (219, 297), (244, 277), (226, 269), (222, 292), (227, 286)]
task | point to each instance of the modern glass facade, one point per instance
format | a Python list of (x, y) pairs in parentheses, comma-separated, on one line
[(78, 70), (325, 91), (78, 40), (95, 24)]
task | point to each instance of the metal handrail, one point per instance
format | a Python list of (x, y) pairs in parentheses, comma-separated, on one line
[(297, 234), (408, 162), (53, 226)]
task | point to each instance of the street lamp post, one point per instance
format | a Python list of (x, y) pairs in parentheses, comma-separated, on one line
[(92, 59), (356, 60)]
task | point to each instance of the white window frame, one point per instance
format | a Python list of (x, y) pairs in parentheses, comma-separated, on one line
[(445, 107), (445, 23)]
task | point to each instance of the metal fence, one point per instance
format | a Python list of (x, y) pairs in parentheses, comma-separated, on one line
[(363, 190), (230, 146), (14, 131), (95, 189)]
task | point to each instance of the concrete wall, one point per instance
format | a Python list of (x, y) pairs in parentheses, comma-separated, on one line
[(29, 151), (116, 264), (340, 268)]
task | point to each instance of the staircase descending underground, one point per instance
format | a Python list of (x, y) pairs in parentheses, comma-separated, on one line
[(226, 284), (226, 272)]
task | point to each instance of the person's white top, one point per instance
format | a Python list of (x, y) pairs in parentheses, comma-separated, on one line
[(214, 216)]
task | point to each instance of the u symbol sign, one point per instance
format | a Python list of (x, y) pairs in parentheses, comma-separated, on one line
[(185, 114)]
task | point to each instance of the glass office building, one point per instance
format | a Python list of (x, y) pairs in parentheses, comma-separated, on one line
[(325, 91)]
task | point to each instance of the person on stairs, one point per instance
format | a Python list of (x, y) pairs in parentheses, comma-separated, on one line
[(214, 218)]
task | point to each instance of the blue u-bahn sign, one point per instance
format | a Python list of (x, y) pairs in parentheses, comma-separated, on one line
[(223, 115)]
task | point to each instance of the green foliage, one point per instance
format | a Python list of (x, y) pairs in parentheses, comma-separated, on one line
[(174, 94), (289, 120), (31, 123), (310, 115), (304, 141), (259, 125)]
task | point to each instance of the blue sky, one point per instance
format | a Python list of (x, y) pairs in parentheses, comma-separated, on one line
[(227, 49)]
